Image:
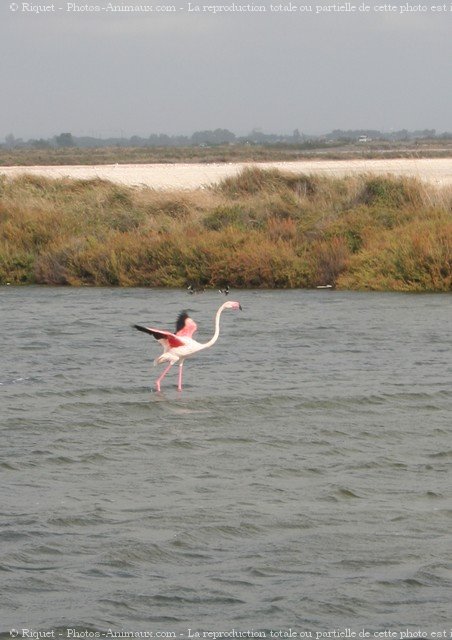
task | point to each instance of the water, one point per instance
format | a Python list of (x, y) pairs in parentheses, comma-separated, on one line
[(298, 481)]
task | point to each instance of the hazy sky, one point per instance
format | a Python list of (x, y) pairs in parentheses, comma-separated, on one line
[(119, 73)]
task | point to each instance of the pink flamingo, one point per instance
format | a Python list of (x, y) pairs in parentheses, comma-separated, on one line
[(180, 345)]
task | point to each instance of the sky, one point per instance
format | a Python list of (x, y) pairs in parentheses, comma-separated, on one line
[(119, 73)]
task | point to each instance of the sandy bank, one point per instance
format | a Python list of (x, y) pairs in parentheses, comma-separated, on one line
[(436, 171)]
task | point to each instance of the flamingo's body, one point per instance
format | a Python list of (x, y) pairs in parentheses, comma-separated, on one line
[(180, 345)]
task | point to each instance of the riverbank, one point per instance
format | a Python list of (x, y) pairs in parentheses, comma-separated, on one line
[(257, 228)]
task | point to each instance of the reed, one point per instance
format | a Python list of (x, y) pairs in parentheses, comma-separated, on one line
[(259, 229)]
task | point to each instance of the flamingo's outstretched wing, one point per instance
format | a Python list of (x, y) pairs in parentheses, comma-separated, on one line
[(164, 337)]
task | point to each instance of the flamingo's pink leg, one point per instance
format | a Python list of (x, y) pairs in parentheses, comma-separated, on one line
[(158, 381), (179, 384)]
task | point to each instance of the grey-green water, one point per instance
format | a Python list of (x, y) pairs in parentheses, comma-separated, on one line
[(300, 480)]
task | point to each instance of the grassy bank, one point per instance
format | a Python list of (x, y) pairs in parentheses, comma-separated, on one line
[(259, 229), (225, 153)]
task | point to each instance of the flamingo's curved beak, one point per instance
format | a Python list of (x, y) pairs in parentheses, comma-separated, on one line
[(240, 307)]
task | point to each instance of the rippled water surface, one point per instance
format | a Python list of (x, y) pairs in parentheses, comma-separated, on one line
[(298, 481)]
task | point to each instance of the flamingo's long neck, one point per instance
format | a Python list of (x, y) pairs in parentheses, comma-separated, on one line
[(214, 338)]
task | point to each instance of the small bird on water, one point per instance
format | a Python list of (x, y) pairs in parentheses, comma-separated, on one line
[(192, 289)]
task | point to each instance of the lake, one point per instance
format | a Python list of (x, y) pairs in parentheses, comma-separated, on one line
[(299, 481)]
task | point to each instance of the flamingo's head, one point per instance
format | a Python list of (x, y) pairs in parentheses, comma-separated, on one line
[(230, 304)]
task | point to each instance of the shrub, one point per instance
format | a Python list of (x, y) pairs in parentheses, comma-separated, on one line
[(417, 258), (16, 267), (225, 216), (390, 192), (329, 258), (259, 229)]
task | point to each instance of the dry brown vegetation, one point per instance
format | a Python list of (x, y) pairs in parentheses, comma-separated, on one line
[(259, 229), (424, 148)]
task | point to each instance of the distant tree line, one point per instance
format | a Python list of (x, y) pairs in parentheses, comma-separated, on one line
[(221, 137)]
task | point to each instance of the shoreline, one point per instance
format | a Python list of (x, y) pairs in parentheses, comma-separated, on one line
[(186, 176), (261, 229)]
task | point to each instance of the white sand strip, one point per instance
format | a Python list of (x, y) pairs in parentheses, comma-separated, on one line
[(436, 171)]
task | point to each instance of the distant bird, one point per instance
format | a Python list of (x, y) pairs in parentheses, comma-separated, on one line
[(180, 345), (225, 290), (324, 286), (191, 289)]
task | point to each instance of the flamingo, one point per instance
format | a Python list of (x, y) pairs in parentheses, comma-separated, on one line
[(180, 345)]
